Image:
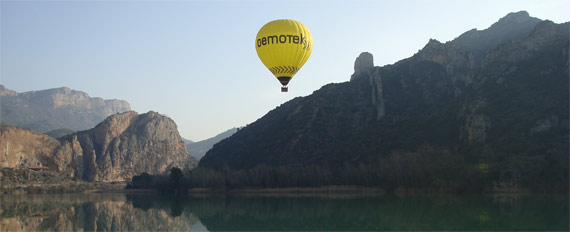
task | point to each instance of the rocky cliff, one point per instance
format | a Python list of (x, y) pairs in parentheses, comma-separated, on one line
[(52, 109), (118, 148), (465, 114), (25, 148)]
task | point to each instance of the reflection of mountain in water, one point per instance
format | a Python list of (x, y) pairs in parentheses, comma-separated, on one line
[(156, 213), (87, 212)]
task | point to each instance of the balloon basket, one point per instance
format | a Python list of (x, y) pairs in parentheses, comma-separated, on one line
[(284, 89)]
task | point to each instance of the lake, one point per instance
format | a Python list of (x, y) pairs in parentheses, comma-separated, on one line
[(122, 212)]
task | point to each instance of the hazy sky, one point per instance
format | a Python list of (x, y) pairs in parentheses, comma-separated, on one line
[(195, 61)]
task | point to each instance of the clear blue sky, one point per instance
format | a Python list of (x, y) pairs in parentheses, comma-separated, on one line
[(195, 61)]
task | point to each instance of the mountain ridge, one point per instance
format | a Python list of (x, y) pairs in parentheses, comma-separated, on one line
[(57, 108), (447, 117), (513, 26)]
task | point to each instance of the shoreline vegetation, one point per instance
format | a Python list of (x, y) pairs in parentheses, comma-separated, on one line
[(322, 191), (336, 191), (208, 181), (24, 181)]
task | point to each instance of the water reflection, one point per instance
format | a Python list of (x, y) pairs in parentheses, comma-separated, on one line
[(90, 212), (118, 212)]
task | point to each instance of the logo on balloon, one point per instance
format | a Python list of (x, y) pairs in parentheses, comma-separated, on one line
[(277, 39)]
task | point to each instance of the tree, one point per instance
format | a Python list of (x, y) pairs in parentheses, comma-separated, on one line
[(176, 178)]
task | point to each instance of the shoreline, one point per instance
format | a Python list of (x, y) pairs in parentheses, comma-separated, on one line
[(322, 191), (124, 191), (289, 191)]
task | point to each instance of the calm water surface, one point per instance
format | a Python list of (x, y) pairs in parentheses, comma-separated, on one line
[(120, 212)]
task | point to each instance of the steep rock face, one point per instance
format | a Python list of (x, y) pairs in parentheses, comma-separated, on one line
[(7, 92), (23, 148), (20, 147), (120, 147), (52, 109), (493, 102), (128, 144), (364, 69), (363, 65), (458, 63)]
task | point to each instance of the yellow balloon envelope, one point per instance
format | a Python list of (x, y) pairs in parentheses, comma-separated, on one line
[(284, 46)]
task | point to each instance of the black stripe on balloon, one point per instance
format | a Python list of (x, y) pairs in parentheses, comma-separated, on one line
[(283, 69)]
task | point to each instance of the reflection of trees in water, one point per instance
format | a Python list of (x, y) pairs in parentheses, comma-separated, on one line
[(381, 213), (151, 212), (174, 204)]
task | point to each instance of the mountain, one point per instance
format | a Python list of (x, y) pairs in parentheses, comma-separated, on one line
[(120, 147), (512, 27), (487, 111), (199, 149), (55, 109), (187, 141)]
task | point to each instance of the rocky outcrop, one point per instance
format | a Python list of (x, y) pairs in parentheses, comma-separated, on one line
[(363, 65), (458, 63), (128, 144), (364, 69), (122, 146), (476, 127), (52, 109), (453, 58), (21, 148), (477, 123), (7, 92), (26, 149)]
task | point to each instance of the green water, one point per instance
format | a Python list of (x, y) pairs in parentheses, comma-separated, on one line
[(120, 212)]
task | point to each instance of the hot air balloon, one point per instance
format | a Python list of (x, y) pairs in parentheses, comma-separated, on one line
[(284, 45)]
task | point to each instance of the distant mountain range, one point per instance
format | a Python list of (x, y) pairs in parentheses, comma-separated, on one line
[(60, 110), (487, 111), (199, 149)]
